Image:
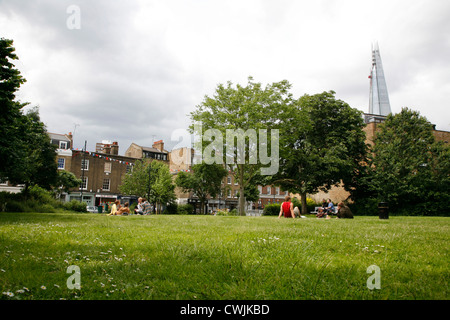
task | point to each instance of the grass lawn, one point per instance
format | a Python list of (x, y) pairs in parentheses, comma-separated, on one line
[(217, 257)]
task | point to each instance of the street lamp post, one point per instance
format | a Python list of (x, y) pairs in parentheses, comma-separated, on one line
[(83, 162)]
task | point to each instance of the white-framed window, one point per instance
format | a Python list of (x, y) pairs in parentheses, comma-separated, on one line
[(229, 193), (85, 164), (63, 145), (235, 182), (277, 190), (84, 183), (228, 180), (106, 184), (235, 193), (269, 190), (61, 163), (108, 167), (260, 189)]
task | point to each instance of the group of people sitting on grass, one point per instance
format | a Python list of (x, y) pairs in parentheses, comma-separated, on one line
[(343, 212), (327, 210), (143, 208)]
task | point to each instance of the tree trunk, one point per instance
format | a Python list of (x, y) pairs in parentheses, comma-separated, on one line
[(241, 190), (303, 201), (202, 207)]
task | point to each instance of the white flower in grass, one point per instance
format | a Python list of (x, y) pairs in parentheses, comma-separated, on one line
[(43, 287), (9, 294)]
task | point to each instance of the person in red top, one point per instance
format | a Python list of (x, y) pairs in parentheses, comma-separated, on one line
[(287, 208)]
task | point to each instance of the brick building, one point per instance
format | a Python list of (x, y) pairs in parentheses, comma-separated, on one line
[(101, 175)]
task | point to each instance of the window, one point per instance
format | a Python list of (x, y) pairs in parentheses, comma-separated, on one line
[(108, 167), (129, 168), (277, 190), (260, 189), (228, 180), (229, 193), (63, 144), (84, 164), (61, 163), (84, 183), (235, 182), (106, 184), (269, 190)]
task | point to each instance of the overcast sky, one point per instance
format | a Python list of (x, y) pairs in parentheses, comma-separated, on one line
[(134, 70)]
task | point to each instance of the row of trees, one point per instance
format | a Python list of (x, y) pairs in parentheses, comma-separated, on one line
[(322, 143)]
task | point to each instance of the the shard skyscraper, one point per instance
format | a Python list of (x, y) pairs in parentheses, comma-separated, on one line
[(379, 98)]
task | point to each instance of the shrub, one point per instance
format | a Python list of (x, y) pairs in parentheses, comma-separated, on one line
[(45, 208), (185, 209), (171, 208), (271, 209), (364, 207), (15, 206), (76, 206), (41, 195)]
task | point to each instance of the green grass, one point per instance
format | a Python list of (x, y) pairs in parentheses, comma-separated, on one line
[(220, 257)]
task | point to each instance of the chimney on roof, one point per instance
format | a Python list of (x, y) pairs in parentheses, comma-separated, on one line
[(70, 136), (159, 145), (107, 149), (115, 148)]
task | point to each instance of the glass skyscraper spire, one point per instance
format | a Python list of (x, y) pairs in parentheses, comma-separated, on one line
[(379, 98)]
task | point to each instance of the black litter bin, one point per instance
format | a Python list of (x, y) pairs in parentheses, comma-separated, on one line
[(100, 209), (383, 210)]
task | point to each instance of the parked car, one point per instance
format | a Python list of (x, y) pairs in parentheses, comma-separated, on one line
[(92, 209)]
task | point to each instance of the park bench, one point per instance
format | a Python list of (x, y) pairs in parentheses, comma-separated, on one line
[(316, 210)]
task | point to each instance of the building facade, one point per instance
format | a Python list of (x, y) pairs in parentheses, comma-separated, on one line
[(101, 175)]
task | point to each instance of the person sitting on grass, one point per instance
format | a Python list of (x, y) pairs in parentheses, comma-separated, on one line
[(330, 207), (123, 210), (138, 208), (146, 207), (344, 212), (287, 207), (321, 213), (114, 208)]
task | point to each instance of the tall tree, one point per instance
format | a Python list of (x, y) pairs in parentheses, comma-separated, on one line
[(40, 161), (204, 181), (66, 180), (12, 153), (324, 146), (240, 113), (26, 153), (410, 169)]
